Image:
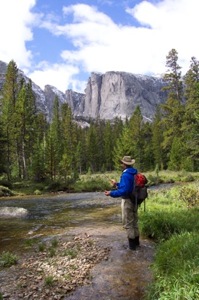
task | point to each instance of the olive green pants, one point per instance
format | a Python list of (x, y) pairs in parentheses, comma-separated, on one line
[(130, 218)]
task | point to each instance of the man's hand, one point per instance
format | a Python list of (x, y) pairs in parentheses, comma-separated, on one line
[(107, 193), (113, 182)]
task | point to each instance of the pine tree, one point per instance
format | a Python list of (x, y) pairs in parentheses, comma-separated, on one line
[(25, 116), (100, 139), (130, 142), (2, 150), (173, 109), (8, 103), (82, 150), (190, 127), (173, 76), (157, 139), (38, 168), (92, 146), (69, 140), (54, 141), (147, 147), (175, 162), (108, 146)]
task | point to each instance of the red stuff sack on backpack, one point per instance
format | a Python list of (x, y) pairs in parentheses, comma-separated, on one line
[(139, 193), (140, 180)]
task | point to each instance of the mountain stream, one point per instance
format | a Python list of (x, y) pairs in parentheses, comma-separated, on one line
[(124, 275)]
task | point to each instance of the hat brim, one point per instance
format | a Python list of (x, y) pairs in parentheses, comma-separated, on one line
[(128, 163)]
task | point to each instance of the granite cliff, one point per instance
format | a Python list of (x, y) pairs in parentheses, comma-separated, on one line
[(117, 94)]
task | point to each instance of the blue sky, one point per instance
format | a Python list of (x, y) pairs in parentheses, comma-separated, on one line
[(60, 42)]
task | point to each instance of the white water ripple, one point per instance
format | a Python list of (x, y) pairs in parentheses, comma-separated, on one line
[(15, 212)]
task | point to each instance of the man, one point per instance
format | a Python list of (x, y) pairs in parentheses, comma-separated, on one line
[(124, 189)]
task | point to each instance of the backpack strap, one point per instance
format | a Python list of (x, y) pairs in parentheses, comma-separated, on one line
[(133, 195)]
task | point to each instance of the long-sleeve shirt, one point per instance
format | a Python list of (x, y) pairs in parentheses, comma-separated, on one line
[(126, 184)]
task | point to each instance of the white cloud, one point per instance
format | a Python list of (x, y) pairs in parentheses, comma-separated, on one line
[(58, 75), (98, 43), (173, 24), (15, 20), (106, 46), (101, 45)]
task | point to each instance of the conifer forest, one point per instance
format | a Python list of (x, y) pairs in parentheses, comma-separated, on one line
[(31, 148)]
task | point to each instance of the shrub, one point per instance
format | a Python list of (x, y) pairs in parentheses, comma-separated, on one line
[(7, 259), (92, 185), (190, 195), (154, 180), (54, 186), (6, 183), (37, 192), (4, 191), (188, 178)]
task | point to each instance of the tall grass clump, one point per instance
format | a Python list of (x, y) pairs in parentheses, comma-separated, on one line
[(161, 225), (176, 269), (7, 259), (190, 196), (167, 214)]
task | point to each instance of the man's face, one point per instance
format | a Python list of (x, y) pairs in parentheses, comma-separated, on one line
[(123, 166)]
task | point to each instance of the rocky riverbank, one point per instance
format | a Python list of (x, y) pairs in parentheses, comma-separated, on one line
[(54, 271), (90, 263)]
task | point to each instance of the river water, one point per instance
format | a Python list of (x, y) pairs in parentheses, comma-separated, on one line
[(24, 218), (125, 275)]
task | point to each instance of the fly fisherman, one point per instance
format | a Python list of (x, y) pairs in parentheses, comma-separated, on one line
[(129, 210)]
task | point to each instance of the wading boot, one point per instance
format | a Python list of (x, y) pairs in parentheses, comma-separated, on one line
[(132, 244), (137, 241)]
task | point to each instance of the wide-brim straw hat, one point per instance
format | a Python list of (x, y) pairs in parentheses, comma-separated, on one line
[(127, 160)]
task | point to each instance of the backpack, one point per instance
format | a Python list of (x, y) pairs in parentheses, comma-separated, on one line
[(139, 193)]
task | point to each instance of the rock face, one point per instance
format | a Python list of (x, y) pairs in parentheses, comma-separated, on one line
[(117, 94), (3, 68), (109, 95)]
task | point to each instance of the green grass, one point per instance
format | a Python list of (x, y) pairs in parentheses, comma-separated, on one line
[(54, 243), (92, 182), (49, 280), (8, 259), (174, 226), (71, 253), (41, 247), (176, 269)]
